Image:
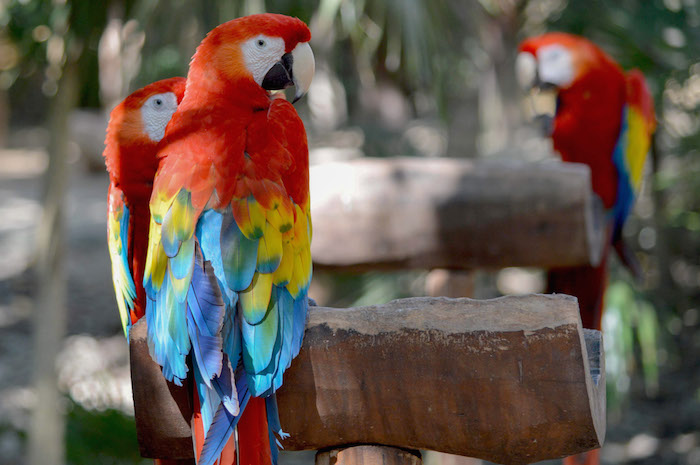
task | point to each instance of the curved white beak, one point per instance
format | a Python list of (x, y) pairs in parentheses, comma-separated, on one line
[(526, 70), (304, 67)]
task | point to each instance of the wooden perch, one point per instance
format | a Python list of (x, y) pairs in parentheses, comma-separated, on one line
[(400, 213), (509, 380)]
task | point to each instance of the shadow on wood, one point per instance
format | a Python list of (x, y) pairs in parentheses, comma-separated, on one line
[(401, 213), (509, 380)]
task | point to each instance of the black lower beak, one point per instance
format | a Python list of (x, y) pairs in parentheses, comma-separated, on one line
[(280, 76), (543, 85)]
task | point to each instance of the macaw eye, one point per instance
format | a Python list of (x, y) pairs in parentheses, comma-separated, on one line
[(260, 43), (156, 113)]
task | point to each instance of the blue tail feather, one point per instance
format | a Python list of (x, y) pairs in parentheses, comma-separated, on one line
[(223, 384), (206, 352), (205, 312), (231, 333), (204, 300), (220, 431), (208, 398), (223, 424)]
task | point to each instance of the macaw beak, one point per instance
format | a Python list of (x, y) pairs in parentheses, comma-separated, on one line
[(304, 68), (526, 70), (295, 68), (528, 74), (541, 96)]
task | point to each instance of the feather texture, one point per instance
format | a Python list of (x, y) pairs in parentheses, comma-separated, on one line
[(118, 240), (229, 263)]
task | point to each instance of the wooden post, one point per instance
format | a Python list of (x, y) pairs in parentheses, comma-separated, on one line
[(410, 213), (509, 380), (449, 283), (368, 455), (163, 410)]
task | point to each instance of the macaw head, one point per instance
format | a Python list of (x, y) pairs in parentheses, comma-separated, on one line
[(254, 55), (557, 60), (137, 125)]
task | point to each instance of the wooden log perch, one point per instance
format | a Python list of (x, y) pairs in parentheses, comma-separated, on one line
[(400, 213), (509, 380)]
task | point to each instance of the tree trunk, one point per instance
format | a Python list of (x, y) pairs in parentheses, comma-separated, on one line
[(46, 434)]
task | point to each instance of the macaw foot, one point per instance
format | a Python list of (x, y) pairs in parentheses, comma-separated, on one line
[(592, 457), (312, 302)]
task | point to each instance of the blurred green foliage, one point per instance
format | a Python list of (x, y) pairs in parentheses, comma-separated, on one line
[(101, 438)]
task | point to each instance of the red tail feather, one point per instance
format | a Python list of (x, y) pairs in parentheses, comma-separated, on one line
[(228, 454), (587, 283), (197, 425), (253, 434), (592, 457)]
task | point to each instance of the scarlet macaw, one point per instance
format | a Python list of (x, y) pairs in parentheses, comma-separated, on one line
[(229, 262), (135, 128), (605, 119)]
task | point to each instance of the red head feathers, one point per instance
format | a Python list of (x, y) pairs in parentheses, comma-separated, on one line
[(242, 59), (136, 126), (135, 129)]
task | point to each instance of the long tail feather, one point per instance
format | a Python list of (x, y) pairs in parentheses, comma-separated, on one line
[(205, 313), (587, 284), (254, 437), (224, 422)]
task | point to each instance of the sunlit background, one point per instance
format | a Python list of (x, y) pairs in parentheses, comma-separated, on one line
[(424, 78)]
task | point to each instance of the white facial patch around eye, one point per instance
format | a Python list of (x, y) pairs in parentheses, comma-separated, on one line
[(261, 53), (555, 65), (156, 113)]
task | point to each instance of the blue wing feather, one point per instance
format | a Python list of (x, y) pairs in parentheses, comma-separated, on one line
[(625, 192), (118, 241), (259, 340), (301, 309), (168, 344), (239, 256), (124, 235)]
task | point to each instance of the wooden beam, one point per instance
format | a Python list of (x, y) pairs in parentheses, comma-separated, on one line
[(508, 380), (366, 455), (400, 213)]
